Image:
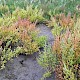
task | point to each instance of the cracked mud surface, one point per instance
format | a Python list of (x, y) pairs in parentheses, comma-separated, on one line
[(26, 67)]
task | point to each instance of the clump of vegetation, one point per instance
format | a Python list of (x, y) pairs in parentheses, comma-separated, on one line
[(3, 9), (65, 47), (50, 7), (47, 60), (34, 14), (21, 37), (62, 20), (65, 53)]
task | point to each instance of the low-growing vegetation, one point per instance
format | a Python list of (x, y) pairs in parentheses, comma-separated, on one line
[(63, 57), (19, 34), (22, 37)]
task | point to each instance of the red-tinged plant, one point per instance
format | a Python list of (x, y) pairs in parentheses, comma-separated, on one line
[(76, 43), (66, 21), (68, 47), (25, 29), (56, 46), (20, 37), (25, 23), (62, 21), (57, 50)]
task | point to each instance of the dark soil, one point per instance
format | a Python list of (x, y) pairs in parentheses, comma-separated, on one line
[(45, 31), (26, 67)]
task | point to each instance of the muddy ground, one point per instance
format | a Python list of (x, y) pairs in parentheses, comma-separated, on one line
[(26, 67)]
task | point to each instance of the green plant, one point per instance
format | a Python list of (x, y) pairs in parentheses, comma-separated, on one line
[(41, 41), (8, 40), (69, 75), (50, 7), (57, 30), (66, 47), (34, 14), (3, 9), (63, 21), (47, 60), (7, 54), (21, 37), (45, 75), (7, 20), (67, 44)]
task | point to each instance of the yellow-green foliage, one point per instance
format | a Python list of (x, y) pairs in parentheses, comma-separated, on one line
[(20, 31), (47, 59), (45, 75), (62, 20), (18, 39), (68, 44), (69, 75), (3, 9), (65, 50), (32, 13), (7, 21), (7, 54)]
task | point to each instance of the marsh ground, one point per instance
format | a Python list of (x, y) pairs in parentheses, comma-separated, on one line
[(26, 67)]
